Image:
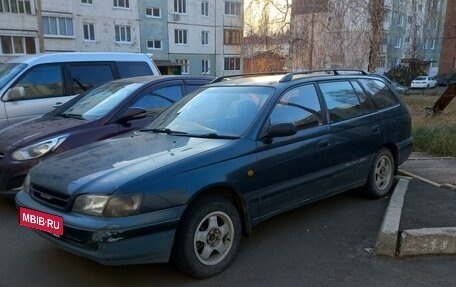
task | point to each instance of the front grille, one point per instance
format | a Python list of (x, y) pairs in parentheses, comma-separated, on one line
[(49, 196)]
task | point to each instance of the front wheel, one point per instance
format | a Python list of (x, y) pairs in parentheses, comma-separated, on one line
[(381, 174), (208, 237)]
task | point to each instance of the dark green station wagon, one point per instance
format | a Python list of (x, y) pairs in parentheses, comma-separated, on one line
[(215, 164)]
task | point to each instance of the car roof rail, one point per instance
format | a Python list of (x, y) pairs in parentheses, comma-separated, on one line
[(288, 77), (227, 78)]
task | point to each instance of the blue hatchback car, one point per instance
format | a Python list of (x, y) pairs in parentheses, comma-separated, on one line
[(215, 164)]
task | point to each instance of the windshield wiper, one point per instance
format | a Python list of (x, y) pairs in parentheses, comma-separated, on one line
[(164, 130), (73, 116), (216, 136)]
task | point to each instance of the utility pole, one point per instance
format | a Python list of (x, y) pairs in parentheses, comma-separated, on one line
[(39, 23)]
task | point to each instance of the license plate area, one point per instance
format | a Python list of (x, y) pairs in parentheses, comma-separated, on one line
[(46, 222)]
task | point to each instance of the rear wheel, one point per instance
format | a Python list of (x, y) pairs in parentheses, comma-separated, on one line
[(381, 174), (208, 237)]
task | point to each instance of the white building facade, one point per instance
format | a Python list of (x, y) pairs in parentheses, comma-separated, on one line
[(199, 36)]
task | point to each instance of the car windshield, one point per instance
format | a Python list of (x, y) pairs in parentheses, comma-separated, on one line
[(214, 112), (99, 101), (420, 78), (9, 71)]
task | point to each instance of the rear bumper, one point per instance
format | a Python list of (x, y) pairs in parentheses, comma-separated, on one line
[(404, 149), (143, 238)]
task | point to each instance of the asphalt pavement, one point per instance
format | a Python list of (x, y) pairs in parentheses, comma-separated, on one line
[(421, 221)]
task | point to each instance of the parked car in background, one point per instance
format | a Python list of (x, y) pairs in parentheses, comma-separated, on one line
[(445, 79), (108, 110), (215, 164), (423, 82), (33, 85), (398, 88)]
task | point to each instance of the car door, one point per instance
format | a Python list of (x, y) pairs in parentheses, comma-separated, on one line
[(294, 169), (355, 131), (81, 77), (43, 87)]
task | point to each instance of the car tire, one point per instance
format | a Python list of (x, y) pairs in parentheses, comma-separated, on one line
[(381, 174), (208, 237)]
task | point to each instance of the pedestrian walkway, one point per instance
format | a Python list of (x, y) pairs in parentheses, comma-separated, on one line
[(438, 171)]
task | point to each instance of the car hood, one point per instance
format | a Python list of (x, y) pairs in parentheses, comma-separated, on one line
[(104, 166), (37, 129)]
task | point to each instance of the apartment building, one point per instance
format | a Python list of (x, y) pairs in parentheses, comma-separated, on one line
[(448, 53), (200, 37), (413, 30), (332, 33), (184, 36)]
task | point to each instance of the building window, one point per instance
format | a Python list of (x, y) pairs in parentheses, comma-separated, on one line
[(123, 34), (204, 8), (89, 2), (17, 45), (433, 45), (180, 36), (89, 32), (204, 38), (153, 12), (58, 26), (232, 64), (425, 45), (205, 67), (398, 42), (232, 8), (185, 65), (382, 61), (16, 6), (121, 3), (154, 44), (231, 37), (407, 40), (409, 19), (180, 6), (400, 20)]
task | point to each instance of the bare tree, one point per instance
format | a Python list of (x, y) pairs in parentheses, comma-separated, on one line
[(376, 17)]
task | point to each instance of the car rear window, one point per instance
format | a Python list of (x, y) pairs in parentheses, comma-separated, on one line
[(380, 93)]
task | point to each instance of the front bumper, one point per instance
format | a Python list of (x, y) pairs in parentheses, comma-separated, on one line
[(12, 175), (143, 238)]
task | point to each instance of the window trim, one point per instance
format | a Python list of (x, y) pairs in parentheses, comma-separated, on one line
[(89, 32), (180, 37), (115, 4), (154, 41), (120, 41), (152, 15), (57, 18)]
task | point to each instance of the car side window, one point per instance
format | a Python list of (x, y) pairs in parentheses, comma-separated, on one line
[(341, 100), (299, 106), (87, 76), (42, 82), (154, 102), (366, 103), (380, 93), (133, 69)]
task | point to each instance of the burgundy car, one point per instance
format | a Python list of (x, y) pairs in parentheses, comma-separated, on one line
[(108, 110)]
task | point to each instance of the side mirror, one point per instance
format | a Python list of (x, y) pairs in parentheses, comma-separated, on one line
[(15, 93), (133, 113), (281, 130)]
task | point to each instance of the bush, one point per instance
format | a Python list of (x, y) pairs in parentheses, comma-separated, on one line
[(404, 75)]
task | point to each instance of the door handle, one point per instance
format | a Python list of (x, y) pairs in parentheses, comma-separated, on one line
[(56, 105), (324, 144), (376, 129)]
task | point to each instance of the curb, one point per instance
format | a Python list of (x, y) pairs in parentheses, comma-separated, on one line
[(445, 185), (427, 241), (411, 242), (387, 240)]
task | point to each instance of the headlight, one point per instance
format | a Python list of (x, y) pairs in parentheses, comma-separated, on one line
[(38, 149), (108, 205)]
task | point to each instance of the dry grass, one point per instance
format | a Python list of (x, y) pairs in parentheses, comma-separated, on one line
[(435, 135)]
